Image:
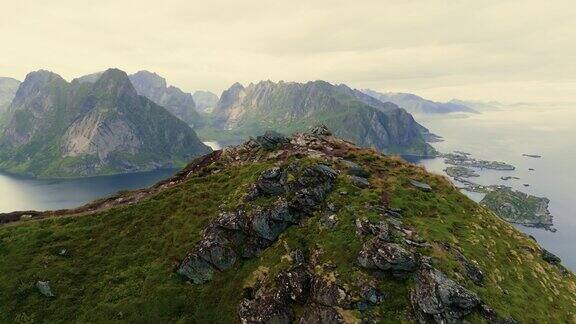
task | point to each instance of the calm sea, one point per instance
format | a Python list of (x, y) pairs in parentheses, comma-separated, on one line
[(504, 135)]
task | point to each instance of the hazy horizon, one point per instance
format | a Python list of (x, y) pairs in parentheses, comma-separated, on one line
[(518, 51)]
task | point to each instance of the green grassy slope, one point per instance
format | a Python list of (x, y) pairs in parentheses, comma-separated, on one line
[(123, 261)]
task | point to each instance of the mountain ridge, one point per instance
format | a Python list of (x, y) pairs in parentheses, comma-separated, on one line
[(82, 128), (418, 105), (292, 106)]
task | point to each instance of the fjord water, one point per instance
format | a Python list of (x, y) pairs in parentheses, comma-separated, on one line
[(506, 134), (22, 193), (19, 193)]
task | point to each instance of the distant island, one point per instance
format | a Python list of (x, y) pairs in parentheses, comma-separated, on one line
[(512, 206), (520, 208), (465, 159)]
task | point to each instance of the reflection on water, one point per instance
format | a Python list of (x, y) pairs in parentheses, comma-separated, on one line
[(506, 135), (19, 193)]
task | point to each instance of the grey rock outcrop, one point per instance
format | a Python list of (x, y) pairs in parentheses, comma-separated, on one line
[(238, 233), (438, 299), (379, 255), (319, 314), (420, 185), (360, 182), (273, 299), (271, 140), (44, 288)]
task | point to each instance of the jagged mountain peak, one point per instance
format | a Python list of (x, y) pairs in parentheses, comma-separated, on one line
[(115, 82), (236, 85), (154, 87), (151, 78), (34, 85), (40, 78)]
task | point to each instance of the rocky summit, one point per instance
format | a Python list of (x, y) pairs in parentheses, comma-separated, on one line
[(59, 129), (301, 229)]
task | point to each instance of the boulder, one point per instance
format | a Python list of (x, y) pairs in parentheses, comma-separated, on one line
[(268, 307), (266, 227), (356, 170), (253, 246), (359, 182), (64, 252), (326, 292), (272, 302), (329, 221), (295, 284), (44, 288), (332, 207), (280, 212), (272, 182), (319, 314), (271, 140), (420, 185), (232, 220), (437, 298), (196, 269), (379, 255), (214, 248), (297, 257), (365, 227), (372, 295)]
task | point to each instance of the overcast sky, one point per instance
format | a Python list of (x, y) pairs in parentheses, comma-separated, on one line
[(503, 50)]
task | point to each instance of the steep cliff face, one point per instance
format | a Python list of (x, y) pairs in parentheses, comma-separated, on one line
[(8, 88), (40, 99), (82, 128), (290, 106), (176, 101)]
